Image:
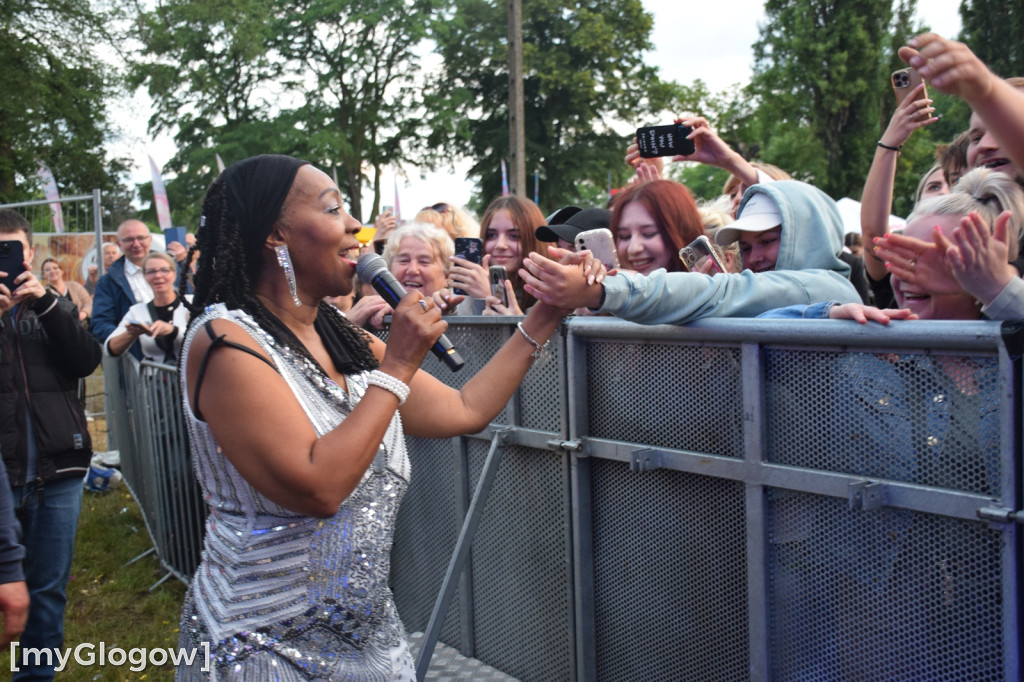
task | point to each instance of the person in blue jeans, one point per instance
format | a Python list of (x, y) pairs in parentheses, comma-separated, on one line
[(44, 439)]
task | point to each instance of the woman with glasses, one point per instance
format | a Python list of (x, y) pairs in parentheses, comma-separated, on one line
[(159, 325)]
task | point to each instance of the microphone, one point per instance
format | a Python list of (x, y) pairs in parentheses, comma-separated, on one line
[(371, 268)]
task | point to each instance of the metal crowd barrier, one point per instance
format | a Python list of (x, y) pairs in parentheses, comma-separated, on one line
[(146, 424), (731, 500)]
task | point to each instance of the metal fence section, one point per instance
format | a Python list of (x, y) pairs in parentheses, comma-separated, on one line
[(145, 422), (732, 500), (79, 213)]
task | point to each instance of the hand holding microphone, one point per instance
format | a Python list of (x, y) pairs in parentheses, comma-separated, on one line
[(373, 269)]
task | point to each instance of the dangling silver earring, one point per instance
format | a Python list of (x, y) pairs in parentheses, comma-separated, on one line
[(284, 259)]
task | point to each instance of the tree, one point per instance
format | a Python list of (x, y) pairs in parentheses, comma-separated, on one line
[(994, 30), (583, 71), (821, 78), (55, 93), (326, 80)]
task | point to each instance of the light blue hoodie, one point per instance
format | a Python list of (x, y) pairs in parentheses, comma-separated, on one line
[(807, 270)]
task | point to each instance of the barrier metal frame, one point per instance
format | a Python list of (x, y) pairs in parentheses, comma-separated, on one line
[(462, 558)]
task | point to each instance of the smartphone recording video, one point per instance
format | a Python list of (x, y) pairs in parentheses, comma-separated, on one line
[(668, 140), (904, 81), (498, 276), (471, 249), (12, 261), (699, 254)]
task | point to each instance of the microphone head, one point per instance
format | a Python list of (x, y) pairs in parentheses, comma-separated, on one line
[(369, 266)]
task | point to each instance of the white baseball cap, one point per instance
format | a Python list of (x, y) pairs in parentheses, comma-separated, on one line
[(759, 214)]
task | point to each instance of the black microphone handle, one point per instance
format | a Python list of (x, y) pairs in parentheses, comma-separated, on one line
[(391, 290)]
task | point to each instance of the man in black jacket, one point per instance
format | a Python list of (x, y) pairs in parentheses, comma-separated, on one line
[(44, 439)]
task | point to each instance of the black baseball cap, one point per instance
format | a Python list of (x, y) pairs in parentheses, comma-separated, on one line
[(567, 222)]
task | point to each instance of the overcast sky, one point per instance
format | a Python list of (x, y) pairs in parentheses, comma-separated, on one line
[(711, 41)]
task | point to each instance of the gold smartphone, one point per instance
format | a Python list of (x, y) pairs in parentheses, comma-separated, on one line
[(904, 81)]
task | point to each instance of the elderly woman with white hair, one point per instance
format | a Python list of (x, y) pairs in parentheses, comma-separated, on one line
[(419, 256), (954, 258)]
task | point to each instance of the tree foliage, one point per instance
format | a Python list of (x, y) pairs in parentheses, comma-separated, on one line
[(326, 80), (821, 77), (583, 71), (994, 30), (56, 91)]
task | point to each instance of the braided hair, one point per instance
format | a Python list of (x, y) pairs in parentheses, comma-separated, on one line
[(229, 263)]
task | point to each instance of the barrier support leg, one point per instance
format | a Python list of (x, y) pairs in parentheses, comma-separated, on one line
[(462, 546)]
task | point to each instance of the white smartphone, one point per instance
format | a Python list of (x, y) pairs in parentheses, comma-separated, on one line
[(600, 243)]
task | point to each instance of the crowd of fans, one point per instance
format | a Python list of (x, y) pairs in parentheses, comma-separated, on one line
[(781, 245)]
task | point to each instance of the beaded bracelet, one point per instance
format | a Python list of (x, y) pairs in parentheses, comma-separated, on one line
[(538, 349), (389, 383)]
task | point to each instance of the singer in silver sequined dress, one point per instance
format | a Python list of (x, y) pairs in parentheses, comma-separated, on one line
[(296, 420)]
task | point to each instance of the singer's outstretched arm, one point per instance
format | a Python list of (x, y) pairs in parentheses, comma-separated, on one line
[(434, 410)]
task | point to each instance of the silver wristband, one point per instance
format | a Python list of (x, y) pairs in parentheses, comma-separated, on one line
[(538, 349)]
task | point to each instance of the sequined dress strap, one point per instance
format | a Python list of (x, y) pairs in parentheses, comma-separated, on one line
[(215, 342)]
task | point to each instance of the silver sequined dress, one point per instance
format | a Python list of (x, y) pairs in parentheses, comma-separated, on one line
[(282, 596)]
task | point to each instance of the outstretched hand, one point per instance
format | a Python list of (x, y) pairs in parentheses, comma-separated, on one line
[(915, 261), (978, 258), (561, 284), (864, 313), (910, 115), (369, 311), (949, 66), (709, 148)]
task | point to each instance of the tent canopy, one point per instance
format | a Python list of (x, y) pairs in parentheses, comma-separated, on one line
[(849, 211)]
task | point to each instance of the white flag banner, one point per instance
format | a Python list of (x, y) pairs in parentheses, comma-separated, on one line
[(163, 209), (53, 196)]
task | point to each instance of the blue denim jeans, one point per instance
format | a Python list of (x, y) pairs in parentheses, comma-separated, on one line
[(48, 514)]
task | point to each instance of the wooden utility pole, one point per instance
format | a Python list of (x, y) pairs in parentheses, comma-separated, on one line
[(516, 127)]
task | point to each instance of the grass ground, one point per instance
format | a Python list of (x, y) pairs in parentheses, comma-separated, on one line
[(109, 600)]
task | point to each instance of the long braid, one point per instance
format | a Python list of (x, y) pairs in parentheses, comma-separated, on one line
[(224, 275)]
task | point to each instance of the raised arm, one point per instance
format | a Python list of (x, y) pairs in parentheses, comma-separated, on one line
[(952, 68), (435, 410), (876, 200)]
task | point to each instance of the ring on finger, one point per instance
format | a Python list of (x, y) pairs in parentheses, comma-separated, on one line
[(424, 304)]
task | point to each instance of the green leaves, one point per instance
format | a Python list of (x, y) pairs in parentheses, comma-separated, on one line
[(583, 72)]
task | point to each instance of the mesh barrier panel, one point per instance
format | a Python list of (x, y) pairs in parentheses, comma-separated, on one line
[(926, 419), (522, 574), (426, 530), (881, 595), (542, 394), (669, 576), (692, 405)]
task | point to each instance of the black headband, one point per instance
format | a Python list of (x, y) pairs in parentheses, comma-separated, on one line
[(256, 189)]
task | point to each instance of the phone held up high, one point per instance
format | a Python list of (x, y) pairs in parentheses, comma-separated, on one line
[(670, 140), (904, 81), (471, 249), (12, 261), (696, 254), (600, 243), (498, 276)]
